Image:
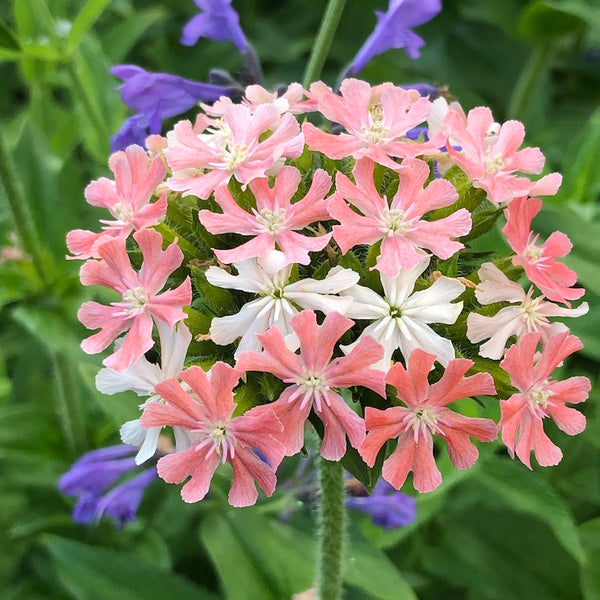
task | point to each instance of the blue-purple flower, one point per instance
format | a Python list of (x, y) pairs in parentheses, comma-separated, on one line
[(393, 30), (91, 477), (156, 97), (386, 506), (218, 21)]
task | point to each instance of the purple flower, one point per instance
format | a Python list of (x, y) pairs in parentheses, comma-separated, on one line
[(94, 473), (393, 29), (218, 22), (387, 507), (156, 97)]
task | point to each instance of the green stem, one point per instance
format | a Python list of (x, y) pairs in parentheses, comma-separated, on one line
[(331, 531), (21, 212), (331, 19), (534, 71)]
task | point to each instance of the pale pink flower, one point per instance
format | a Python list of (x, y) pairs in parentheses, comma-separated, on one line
[(275, 220), (314, 376), (401, 317), (539, 397), (217, 436), (554, 279), (277, 300), (209, 153), (142, 377), (489, 155), (529, 315), (399, 224), (127, 198), (425, 415), (141, 300), (289, 101), (376, 122)]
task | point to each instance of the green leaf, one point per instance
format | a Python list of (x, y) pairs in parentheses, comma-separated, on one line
[(590, 572), (257, 558), (8, 38), (97, 573), (369, 569), (581, 181), (510, 484), (86, 17), (541, 21)]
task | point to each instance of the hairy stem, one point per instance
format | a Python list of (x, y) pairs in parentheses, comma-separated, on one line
[(331, 531)]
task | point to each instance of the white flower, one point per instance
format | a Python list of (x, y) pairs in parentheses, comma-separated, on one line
[(529, 315), (278, 300), (400, 319), (141, 378)]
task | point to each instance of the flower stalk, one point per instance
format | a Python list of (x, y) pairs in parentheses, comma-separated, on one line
[(329, 24), (332, 523)]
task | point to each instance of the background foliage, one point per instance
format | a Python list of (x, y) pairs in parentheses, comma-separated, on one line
[(496, 531)]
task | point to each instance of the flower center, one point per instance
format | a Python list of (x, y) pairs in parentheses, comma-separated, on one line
[(422, 419), (271, 220), (495, 164), (533, 253), (137, 298), (530, 315), (376, 131), (311, 387), (123, 212), (394, 222), (218, 434), (538, 398), (234, 155), (395, 312)]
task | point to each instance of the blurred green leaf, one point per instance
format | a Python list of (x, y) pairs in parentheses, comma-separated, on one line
[(590, 572), (541, 20), (256, 558), (529, 493), (581, 181), (96, 573), (8, 38), (369, 569), (87, 15)]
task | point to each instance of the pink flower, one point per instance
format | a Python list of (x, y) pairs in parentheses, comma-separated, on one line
[(140, 298), (217, 436), (554, 279), (531, 314), (313, 377), (424, 416), (400, 224), (274, 220), (376, 120), (540, 397), (489, 155), (230, 146), (127, 198)]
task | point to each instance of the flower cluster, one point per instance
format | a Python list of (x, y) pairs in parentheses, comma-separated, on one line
[(328, 263)]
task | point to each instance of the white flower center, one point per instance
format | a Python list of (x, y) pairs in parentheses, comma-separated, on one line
[(538, 398), (376, 131), (123, 212), (495, 164), (533, 253), (271, 220), (311, 388), (137, 298), (233, 155), (530, 315), (218, 434), (394, 222), (424, 418)]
